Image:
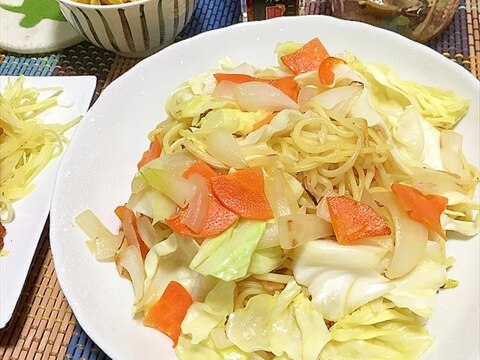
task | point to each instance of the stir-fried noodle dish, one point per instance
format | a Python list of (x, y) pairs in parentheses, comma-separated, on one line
[(295, 212)]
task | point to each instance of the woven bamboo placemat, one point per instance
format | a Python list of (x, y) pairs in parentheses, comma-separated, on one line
[(44, 326)]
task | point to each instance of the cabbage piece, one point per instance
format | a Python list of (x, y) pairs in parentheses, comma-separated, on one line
[(377, 331), (286, 324), (202, 84), (295, 230), (286, 48), (417, 290), (265, 260), (174, 186), (442, 108), (167, 261), (231, 120), (202, 318), (152, 203), (198, 104), (340, 278), (206, 350), (227, 256), (279, 122)]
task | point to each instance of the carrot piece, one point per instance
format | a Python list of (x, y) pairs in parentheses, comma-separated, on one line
[(219, 218), (353, 220), (243, 193), (325, 71), (167, 314), (129, 225), (153, 152), (287, 85), (236, 78), (307, 58), (425, 209), (201, 168), (264, 121)]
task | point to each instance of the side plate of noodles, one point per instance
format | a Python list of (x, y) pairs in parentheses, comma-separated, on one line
[(50, 108), (319, 221)]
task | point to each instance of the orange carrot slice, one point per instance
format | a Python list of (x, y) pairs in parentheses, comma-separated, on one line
[(236, 78), (129, 225), (167, 314), (287, 85), (201, 168), (325, 71), (219, 218), (243, 193), (425, 209), (353, 220), (307, 58), (153, 152), (264, 121)]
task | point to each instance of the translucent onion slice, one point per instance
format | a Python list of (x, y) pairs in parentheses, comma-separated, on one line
[(340, 98), (131, 260), (269, 237), (147, 232), (225, 90), (451, 151), (198, 205), (279, 194), (223, 146), (106, 243), (295, 230), (306, 93), (322, 207), (410, 237), (255, 95)]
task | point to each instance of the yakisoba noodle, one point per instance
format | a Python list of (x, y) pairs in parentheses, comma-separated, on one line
[(332, 142)]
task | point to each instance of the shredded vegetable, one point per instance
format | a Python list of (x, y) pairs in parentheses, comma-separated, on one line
[(28, 144), (301, 210)]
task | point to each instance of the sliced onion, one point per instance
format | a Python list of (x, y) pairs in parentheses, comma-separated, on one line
[(223, 146), (306, 93), (225, 90), (147, 232), (244, 68), (269, 237), (175, 163), (340, 98), (279, 194), (255, 95), (106, 243), (198, 205), (295, 230), (451, 151), (322, 207), (410, 237), (202, 155), (131, 260)]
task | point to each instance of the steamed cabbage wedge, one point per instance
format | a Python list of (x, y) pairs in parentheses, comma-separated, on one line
[(278, 282)]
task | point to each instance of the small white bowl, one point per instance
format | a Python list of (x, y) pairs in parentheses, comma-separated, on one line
[(134, 29)]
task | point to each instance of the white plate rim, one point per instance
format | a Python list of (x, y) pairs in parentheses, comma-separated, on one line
[(459, 72)]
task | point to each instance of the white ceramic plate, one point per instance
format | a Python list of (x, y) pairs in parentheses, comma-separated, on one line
[(31, 212), (99, 165)]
